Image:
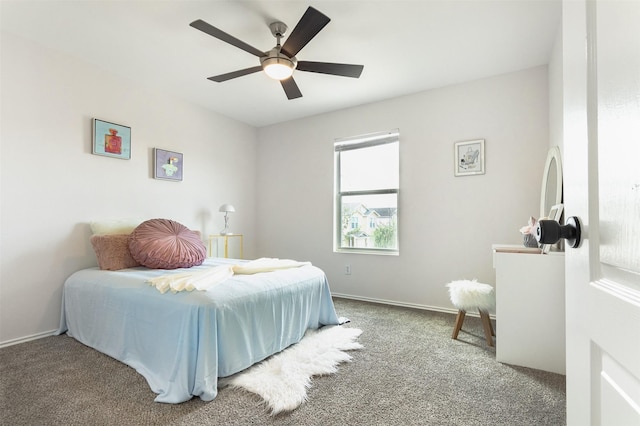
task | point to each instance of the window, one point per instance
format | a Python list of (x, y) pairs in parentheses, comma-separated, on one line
[(354, 222), (367, 176)]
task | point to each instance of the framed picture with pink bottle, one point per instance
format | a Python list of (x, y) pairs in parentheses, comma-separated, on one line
[(111, 139)]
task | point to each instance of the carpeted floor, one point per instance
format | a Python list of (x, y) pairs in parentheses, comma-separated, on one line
[(410, 372)]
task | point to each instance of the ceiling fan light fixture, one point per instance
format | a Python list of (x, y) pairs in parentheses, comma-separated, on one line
[(278, 67), (280, 62)]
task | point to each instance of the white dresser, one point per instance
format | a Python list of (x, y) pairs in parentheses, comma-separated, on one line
[(530, 322)]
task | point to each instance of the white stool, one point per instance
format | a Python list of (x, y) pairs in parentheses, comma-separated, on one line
[(469, 295)]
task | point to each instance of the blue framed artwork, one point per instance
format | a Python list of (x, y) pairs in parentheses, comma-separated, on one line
[(111, 139), (168, 165)]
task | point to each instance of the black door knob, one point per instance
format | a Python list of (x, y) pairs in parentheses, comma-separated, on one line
[(550, 231)]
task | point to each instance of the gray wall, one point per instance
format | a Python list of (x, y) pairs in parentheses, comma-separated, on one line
[(279, 178), (447, 224), (52, 186)]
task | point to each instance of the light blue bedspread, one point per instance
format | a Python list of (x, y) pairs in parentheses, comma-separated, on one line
[(181, 343)]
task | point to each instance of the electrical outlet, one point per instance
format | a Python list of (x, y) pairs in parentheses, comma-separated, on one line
[(347, 269)]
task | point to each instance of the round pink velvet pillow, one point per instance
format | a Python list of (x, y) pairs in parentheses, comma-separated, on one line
[(166, 244)]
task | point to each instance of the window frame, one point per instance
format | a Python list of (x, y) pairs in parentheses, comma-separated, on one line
[(353, 143)]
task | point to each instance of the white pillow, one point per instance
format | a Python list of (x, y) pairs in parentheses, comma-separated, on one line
[(118, 226)]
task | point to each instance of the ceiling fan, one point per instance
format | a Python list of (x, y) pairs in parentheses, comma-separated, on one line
[(280, 62)]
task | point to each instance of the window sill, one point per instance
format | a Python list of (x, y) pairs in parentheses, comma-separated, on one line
[(365, 251)]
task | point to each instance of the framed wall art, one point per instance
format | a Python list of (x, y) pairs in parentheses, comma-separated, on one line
[(167, 165), (111, 139), (469, 158)]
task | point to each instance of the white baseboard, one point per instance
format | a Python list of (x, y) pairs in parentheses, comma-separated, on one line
[(27, 338), (340, 295), (405, 305)]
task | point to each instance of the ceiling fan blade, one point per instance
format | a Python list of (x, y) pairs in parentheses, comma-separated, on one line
[(309, 25), (291, 88), (221, 35), (228, 76), (344, 70)]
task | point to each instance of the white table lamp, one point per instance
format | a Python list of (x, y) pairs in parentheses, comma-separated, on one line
[(226, 208)]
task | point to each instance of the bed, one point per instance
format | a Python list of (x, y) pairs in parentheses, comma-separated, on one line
[(183, 342)]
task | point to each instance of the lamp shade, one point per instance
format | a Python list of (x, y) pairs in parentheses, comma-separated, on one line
[(226, 208)]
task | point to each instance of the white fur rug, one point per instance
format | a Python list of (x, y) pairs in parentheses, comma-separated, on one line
[(283, 379)]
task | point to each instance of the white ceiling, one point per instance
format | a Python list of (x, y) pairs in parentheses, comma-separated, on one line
[(405, 46)]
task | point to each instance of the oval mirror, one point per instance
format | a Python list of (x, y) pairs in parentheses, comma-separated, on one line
[(551, 193)]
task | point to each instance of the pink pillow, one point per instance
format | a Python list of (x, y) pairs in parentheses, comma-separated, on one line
[(112, 251), (166, 244)]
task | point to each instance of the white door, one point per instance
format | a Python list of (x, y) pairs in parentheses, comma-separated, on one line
[(601, 116)]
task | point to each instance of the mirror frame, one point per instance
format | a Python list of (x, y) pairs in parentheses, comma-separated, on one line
[(553, 154)]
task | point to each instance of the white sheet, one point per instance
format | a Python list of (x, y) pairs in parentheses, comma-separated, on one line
[(210, 277)]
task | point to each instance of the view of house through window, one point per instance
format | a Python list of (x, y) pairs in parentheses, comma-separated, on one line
[(366, 189)]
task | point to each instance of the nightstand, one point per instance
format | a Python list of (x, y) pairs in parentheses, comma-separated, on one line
[(225, 241)]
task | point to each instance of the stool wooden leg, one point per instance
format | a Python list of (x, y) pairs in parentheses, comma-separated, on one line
[(493, 332), (458, 326), (488, 328)]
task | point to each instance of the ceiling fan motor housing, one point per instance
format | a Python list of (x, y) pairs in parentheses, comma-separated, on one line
[(274, 56)]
